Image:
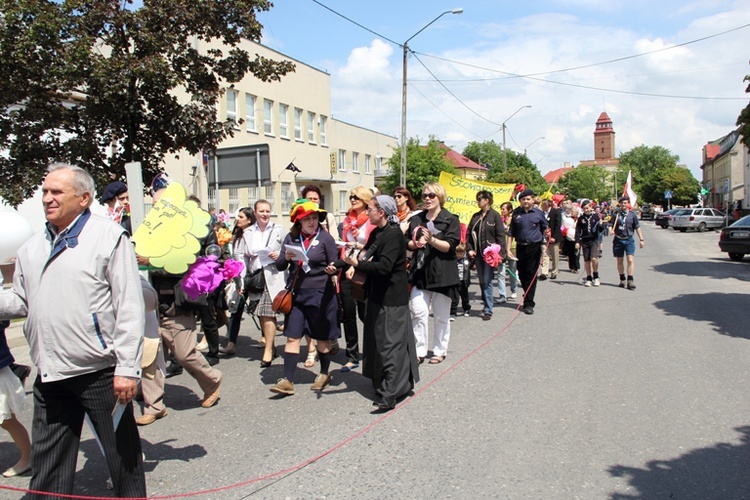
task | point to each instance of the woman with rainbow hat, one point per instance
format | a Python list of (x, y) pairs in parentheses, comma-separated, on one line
[(314, 307)]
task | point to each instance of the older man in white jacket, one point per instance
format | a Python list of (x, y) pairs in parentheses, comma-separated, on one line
[(78, 284)]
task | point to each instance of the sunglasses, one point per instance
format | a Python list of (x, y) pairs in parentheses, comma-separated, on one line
[(354, 198), (397, 196), (431, 196)]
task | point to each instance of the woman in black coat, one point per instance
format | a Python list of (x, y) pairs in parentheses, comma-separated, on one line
[(389, 351), (433, 235)]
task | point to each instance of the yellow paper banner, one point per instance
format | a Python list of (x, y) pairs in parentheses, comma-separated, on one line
[(170, 233), (462, 194)]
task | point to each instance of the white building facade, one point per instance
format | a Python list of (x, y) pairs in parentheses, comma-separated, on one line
[(280, 124)]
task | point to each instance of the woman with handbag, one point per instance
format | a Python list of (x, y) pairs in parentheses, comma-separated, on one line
[(433, 233), (263, 246), (356, 229), (389, 351), (245, 218), (314, 305)]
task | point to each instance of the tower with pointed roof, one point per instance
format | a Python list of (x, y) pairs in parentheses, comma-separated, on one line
[(604, 138)]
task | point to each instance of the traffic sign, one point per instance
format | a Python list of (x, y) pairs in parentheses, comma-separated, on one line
[(668, 195)]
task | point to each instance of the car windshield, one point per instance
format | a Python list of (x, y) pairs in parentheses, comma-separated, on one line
[(683, 211), (743, 222)]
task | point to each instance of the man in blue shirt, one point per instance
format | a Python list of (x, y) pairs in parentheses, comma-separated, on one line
[(625, 226), (528, 226)]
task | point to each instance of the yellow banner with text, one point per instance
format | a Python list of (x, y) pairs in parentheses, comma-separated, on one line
[(462, 194)]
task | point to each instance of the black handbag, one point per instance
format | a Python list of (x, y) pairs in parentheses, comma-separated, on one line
[(255, 282)]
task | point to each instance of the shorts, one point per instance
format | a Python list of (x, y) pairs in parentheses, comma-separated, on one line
[(590, 250), (621, 247), (315, 313)]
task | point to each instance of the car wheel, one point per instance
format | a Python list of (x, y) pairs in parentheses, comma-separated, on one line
[(701, 227), (683, 229), (736, 256)]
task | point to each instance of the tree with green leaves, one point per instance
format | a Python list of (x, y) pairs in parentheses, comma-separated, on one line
[(586, 182), (744, 119), (423, 165), (684, 186), (520, 169), (648, 165), (93, 83)]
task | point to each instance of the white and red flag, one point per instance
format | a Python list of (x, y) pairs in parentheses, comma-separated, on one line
[(628, 190)]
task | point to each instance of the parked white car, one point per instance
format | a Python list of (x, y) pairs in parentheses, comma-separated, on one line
[(699, 219)]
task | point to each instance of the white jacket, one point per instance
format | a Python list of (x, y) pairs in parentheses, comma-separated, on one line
[(82, 298)]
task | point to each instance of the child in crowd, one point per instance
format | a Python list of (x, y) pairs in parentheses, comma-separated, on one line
[(12, 400), (464, 266)]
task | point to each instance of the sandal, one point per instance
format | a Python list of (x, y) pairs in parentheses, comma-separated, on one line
[(312, 357), (436, 360)]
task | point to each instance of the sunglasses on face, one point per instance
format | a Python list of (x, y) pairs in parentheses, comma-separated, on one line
[(398, 196), (354, 198), (431, 196)]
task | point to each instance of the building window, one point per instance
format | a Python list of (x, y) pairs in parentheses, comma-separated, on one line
[(234, 200), (310, 127), (268, 116), (378, 162), (283, 119), (342, 160), (269, 196), (232, 105), (212, 198), (250, 113), (368, 159), (323, 122), (298, 124), (253, 195), (355, 162), (287, 197), (343, 201)]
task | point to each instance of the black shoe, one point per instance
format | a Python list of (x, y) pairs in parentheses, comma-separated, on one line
[(486, 317), (266, 364), (527, 310), (553, 276), (21, 371), (385, 404), (212, 360), (542, 277), (622, 284), (631, 285), (173, 370)]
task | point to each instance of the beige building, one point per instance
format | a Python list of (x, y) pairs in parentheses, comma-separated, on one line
[(285, 138), (726, 169)]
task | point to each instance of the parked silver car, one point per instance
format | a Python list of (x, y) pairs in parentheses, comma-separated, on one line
[(699, 219)]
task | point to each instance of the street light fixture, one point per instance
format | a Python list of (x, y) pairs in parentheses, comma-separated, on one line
[(505, 154), (405, 46), (529, 144)]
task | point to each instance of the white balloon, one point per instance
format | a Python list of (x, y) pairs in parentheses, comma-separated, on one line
[(14, 231)]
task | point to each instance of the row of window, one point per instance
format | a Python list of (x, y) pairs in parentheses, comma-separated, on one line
[(288, 197), (355, 164), (315, 125)]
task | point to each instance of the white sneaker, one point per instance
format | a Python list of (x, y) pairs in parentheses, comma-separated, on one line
[(514, 295), (584, 281), (597, 282), (587, 283)]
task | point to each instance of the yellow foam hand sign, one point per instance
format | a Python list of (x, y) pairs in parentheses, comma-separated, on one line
[(170, 234)]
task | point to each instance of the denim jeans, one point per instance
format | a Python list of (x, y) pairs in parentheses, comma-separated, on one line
[(486, 273), (502, 275)]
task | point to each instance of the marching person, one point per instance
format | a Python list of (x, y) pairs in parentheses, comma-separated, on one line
[(435, 233), (528, 226), (389, 351), (485, 229), (87, 348), (625, 227), (314, 306), (587, 239)]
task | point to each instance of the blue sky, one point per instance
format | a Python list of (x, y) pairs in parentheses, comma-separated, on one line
[(475, 54)]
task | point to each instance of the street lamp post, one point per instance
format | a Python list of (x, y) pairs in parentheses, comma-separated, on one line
[(505, 154), (403, 91), (529, 145)]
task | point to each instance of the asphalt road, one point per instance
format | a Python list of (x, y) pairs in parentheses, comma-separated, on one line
[(603, 393)]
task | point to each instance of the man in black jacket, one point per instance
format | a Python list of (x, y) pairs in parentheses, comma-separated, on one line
[(551, 260)]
